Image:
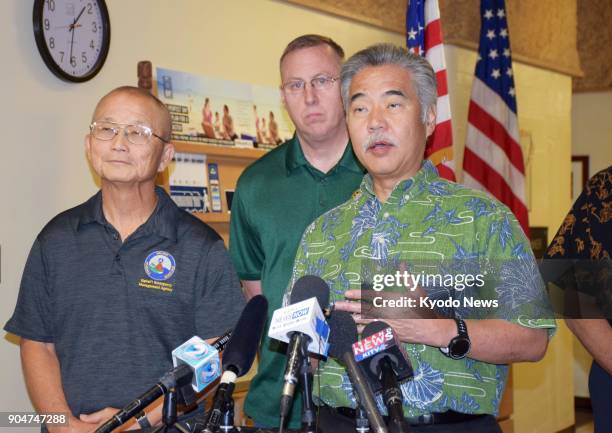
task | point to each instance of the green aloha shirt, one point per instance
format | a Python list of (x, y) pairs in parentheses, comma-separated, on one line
[(444, 228)]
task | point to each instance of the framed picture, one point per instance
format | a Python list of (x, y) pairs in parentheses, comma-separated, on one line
[(539, 240), (580, 174)]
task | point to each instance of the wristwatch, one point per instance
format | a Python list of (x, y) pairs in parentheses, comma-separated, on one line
[(459, 346), (143, 421)]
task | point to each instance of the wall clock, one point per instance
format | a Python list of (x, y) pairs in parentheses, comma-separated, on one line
[(72, 36)]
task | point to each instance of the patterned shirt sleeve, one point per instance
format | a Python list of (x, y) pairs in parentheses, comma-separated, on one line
[(514, 273)]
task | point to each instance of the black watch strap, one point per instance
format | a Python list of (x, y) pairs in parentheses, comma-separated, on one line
[(461, 328), (143, 421)]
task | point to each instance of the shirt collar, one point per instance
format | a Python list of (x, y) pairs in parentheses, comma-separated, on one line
[(407, 187), (295, 158), (163, 221), (92, 211)]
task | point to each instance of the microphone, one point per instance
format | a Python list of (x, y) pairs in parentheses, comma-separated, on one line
[(238, 357), (175, 378), (178, 377), (390, 365), (343, 334), (378, 341), (304, 314), (303, 325), (201, 358)]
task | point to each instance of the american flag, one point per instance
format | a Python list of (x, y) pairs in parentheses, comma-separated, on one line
[(424, 37), (493, 159)]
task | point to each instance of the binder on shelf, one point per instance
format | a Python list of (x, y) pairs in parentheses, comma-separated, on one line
[(188, 182), (215, 189)]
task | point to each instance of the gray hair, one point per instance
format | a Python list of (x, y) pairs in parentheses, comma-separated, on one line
[(423, 76)]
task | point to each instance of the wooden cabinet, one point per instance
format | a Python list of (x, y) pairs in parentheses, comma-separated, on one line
[(231, 161)]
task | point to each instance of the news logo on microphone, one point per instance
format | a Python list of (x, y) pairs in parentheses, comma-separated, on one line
[(374, 344), (202, 358), (305, 317)]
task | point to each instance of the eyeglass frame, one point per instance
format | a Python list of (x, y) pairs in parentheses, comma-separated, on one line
[(123, 126), (330, 80)]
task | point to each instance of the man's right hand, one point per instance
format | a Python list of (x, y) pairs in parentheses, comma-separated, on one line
[(75, 425), (87, 423)]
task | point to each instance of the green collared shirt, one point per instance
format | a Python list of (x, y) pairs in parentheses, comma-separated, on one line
[(276, 198), (428, 226)]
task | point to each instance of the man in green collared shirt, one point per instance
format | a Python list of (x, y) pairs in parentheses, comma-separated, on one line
[(406, 219), (284, 191)]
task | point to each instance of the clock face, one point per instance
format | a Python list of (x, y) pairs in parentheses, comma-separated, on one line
[(73, 36)]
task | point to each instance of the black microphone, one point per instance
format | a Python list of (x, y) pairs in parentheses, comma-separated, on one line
[(378, 340), (310, 286), (178, 377), (238, 356), (306, 287), (390, 367), (343, 333)]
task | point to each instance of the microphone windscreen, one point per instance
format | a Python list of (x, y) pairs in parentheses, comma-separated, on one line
[(373, 327), (242, 346), (342, 333), (310, 286)]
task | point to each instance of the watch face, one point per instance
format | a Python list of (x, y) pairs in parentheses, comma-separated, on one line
[(73, 36), (459, 347)]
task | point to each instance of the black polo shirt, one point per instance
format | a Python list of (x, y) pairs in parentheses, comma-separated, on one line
[(115, 310)]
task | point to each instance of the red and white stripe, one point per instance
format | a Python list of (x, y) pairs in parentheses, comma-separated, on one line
[(439, 147), (493, 159)]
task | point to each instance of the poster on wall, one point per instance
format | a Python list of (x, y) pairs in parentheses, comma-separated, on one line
[(217, 111)]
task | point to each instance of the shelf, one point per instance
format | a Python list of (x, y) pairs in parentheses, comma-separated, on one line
[(222, 151), (212, 217)]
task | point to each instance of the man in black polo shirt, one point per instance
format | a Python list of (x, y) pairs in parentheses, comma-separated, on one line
[(113, 285), (284, 191)]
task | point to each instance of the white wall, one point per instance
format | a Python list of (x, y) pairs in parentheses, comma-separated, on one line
[(43, 170)]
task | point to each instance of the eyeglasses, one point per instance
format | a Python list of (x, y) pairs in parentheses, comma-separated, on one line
[(135, 134), (318, 83)]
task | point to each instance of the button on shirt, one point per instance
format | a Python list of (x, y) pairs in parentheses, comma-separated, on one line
[(275, 199), (438, 227), (115, 310)]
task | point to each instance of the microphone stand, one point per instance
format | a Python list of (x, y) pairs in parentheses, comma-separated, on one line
[(392, 396), (308, 413), (227, 415), (169, 412), (362, 425)]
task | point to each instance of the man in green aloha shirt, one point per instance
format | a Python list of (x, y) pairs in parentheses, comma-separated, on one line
[(405, 218)]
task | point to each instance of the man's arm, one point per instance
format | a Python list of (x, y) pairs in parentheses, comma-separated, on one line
[(43, 381), (493, 341), (596, 337), (251, 288)]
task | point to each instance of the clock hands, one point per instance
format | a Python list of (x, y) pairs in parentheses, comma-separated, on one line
[(72, 26), (71, 29), (78, 16), (71, 42)]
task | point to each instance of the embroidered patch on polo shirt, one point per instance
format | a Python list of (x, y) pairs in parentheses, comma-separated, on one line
[(159, 266)]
